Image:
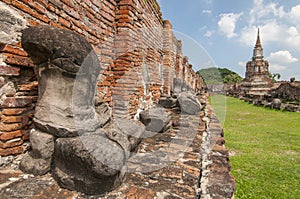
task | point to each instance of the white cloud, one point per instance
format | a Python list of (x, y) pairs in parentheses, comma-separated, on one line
[(279, 59), (227, 24), (294, 14), (277, 67), (260, 11), (292, 31), (272, 31), (248, 35), (209, 33), (292, 38), (276, 25), (206, 11), (282, 57), (293, 42), (269, 32)]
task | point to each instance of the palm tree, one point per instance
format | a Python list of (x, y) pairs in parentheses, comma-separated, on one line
[(274, 75)]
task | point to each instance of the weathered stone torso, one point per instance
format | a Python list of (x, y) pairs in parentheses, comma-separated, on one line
[(67, 70)]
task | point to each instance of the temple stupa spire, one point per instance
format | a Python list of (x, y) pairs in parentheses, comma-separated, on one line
[(258, 50), (258, 43)]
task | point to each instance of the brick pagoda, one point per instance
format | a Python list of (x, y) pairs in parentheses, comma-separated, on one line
[(257, 81)]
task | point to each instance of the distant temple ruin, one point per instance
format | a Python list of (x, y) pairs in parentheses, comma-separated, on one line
[(258, 88), (257, 80)]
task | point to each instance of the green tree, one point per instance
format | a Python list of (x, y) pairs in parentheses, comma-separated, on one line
[(219, 76), (274, 76), (232, 78)]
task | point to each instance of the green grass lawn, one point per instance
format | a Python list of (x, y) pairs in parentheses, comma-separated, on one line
[(265, 145)]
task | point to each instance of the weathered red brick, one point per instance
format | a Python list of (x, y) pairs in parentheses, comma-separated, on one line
[(14, 50), (39, 7), (54, 24), (184, 190), (36, 6), (11, 143), (87, 5), (10, 127), (105, 83), (11, 119), (69, 3), (18, 60), (106, 16), (15, 119), (10, 135), (192, 170), (77, 29), (14, 111), (92, 17), (64, 22), (9, 71), (11, 151), (32, 22), (26, 1), (125, 12), (97, 3), (71, 11), (126, 2), (42, 2), (28, 87), (30, 11), (140, 193), (191, 155), (172, 173), (53, 8), (7, 1)]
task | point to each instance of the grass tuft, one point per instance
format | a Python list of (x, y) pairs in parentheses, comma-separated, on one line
[(265, 148)]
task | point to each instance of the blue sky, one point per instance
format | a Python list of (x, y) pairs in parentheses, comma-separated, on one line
[(223, 32)]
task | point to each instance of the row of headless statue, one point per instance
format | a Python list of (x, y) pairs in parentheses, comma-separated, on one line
[(80, 144)]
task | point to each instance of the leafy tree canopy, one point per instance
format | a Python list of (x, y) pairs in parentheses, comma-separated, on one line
[(219, 76), (274, 75)]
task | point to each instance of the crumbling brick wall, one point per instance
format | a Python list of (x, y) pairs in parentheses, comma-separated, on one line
[(137, 68), (138, 52), (289, 91)]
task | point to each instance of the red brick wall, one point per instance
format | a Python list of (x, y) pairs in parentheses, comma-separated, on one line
[(137, 49), (138, 55)]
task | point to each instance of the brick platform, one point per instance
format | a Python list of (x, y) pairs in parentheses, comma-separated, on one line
[(188, 161)]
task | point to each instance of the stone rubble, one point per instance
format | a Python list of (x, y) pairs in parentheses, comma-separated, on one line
[(189, 160)]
